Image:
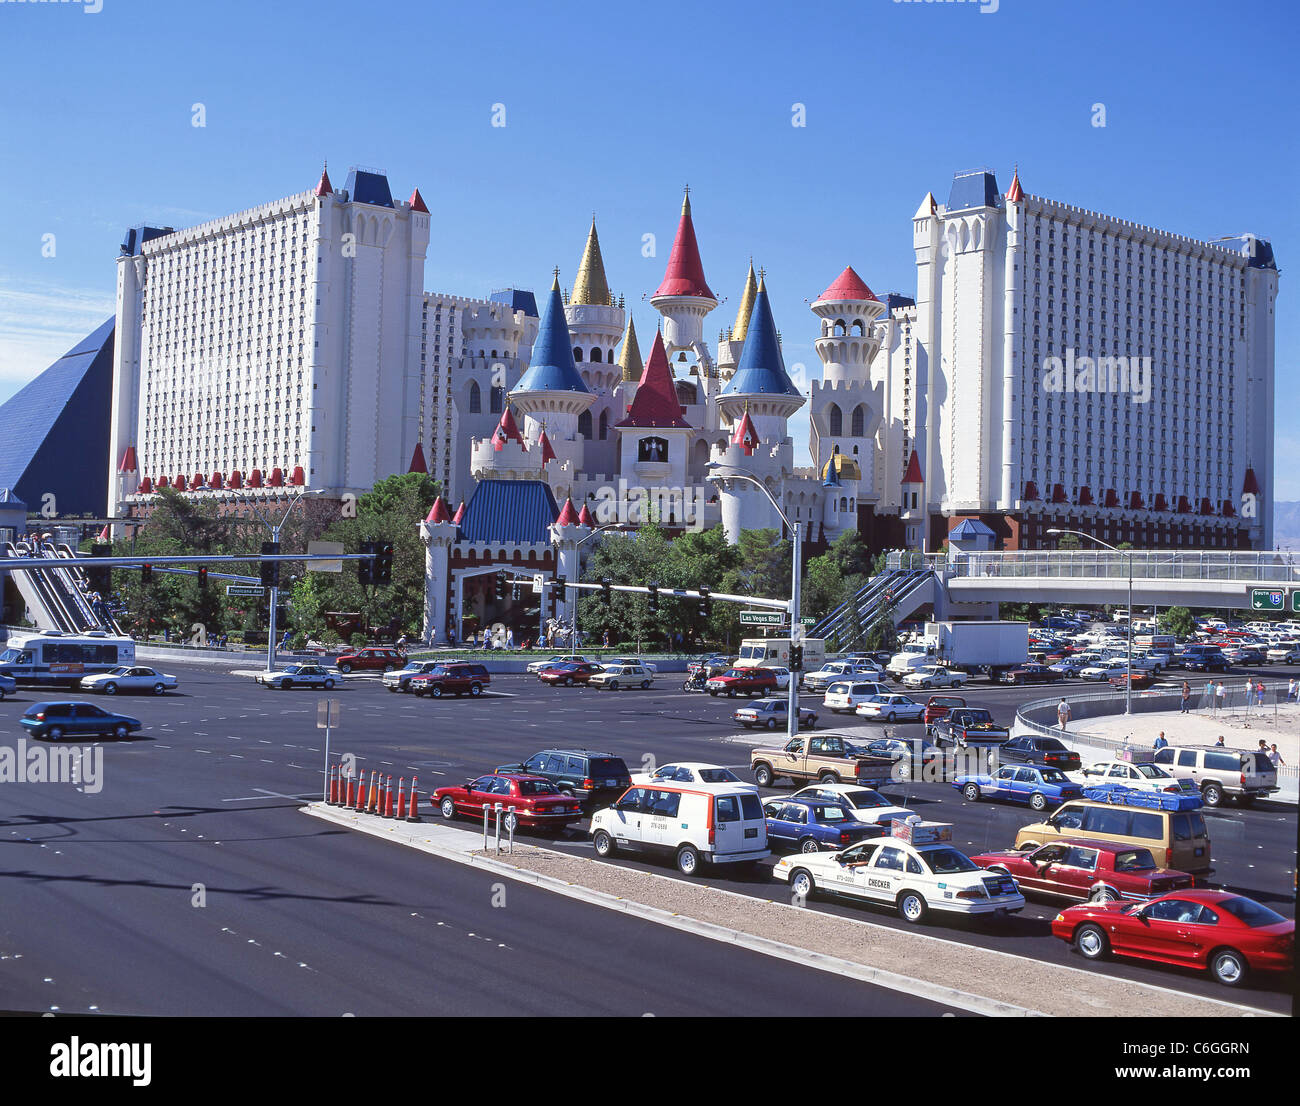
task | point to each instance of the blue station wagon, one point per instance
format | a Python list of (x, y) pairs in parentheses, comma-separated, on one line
[(1023, 783), (813, 824)]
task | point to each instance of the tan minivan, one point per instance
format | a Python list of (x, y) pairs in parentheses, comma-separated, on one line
[(1177, 839)]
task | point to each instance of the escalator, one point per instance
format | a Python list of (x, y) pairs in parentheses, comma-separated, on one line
[(906, 589), (56, 596)]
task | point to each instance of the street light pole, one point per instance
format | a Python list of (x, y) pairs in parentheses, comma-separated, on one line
[(275, 529), (796, 627), (1128, 560)]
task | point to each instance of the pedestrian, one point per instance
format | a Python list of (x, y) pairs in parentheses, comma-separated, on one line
[(1275, 757), (1187, 696), (606, 639), (401, 643), (1063, 713), (1291, 690), (1263, 746), (1259, 694), (1220, 695), (1219, 744), (510, 639), (1160, 741)]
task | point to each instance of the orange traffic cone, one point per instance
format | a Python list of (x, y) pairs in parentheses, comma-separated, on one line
[(388, 810), (361, 793), (401, 797), (352, 792), (413, 812), (372, 803)]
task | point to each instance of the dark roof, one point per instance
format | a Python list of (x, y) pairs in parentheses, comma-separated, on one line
[(517, 299), (369, 188), (55, 430), (971, 528), (897, 299), (8, 499), (1260, 253), (975, 189), (138, 236), (509, 511)]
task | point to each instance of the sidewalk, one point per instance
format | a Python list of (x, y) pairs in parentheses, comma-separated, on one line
[(940, 968)]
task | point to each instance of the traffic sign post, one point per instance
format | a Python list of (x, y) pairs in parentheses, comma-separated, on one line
[(327, 716), (1270, 599)]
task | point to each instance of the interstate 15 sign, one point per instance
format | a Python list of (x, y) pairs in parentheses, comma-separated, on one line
[(1269, 599)]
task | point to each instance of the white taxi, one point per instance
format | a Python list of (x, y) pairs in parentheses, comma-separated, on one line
[(914, 876)]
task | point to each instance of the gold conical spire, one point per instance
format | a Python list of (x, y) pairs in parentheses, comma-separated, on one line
[(741, 328), (590, 286), (629, 358)]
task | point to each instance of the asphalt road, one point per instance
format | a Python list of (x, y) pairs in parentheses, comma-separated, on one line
[(306, 919)]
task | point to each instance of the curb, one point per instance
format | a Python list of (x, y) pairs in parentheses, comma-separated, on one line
[(949, 996)]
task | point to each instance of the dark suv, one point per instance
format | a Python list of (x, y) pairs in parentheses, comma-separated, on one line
[(1201, 658), (586, 775), (454, 678)]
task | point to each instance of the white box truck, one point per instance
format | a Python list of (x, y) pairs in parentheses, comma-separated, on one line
[(994, 647), (774, 652)]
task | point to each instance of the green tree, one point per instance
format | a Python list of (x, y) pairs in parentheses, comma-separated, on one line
[(1177, 621)]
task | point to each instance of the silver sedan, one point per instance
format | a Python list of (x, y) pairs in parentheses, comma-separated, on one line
[(129, 678)]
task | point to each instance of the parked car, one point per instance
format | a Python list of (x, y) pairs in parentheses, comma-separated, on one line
[(742, 681), (566, 675), (374, 658), (534, 667), (891, 708), (1039, 787), (1033, 749), (1087, 871), (57, 720), (129, 678), (1201, 658), (1032, 674), (1219, 773), (1226, 934), (400, 679), (864, 804), (848, 695), (586, 775), (967, 726), (298, 675), (935, 676), (611, 677), (1067, 666), (773, 714), (810, 825), (453, 678), (530, 801), (689, 772), (1134, 774)]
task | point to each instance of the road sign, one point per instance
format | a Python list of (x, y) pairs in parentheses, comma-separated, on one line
[(539, 581), (1268, 599), (324, 547), (1295, 600), (807, 620), (251, 590), (761, 618), (327, 713)]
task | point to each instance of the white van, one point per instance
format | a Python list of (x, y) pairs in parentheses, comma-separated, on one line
[(774, 652), (694, 823), (901, 664)]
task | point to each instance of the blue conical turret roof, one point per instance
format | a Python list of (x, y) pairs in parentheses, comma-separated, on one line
[(761, 369), (552, 368)]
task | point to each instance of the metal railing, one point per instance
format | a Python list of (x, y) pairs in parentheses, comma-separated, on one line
[(1244, 568)]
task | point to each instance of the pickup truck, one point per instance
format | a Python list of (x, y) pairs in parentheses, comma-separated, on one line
[(825, 758), (968, 726), (938, 706)]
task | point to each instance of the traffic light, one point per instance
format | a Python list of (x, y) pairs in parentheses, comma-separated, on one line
[(557, 594), (146, 573), (606, 592), (501, 585), (366, 569), (270, 569), (514, 591), (654, 598), (203, 577), (383, 562), (100, 577), (796, 658), (706, 604)]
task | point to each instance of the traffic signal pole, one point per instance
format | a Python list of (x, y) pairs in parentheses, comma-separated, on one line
[(796, 630)]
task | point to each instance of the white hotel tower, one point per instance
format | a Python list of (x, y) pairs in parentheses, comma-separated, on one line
[(1005, 285)]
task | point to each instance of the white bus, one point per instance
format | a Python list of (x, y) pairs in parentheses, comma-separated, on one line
[(56, 659)]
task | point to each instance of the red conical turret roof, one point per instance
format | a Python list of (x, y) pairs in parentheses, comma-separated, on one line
[(1250, 486), (849, 286), (1015, 193), (507, 430), (544, 444), (128, 462), (685, 273), (568, 516), (746, 436), (584, 516), (438, 512), (417, 202), (324, 188), (459, 516), (656, 404), (913, 475), (417, 459)]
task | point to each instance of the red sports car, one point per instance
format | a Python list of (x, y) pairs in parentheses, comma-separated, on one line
[(529, 801), (1228, 934), (568, 674)]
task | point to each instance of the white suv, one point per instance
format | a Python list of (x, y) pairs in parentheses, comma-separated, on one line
[(614, 676), (846, 695)]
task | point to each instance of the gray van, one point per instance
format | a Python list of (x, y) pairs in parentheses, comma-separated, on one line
[(1244, 775)]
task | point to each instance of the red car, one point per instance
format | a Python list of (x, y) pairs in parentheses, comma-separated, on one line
[(568, 674), (1087, 871), (938, 706), (451, 679), (529, 801), (1141, 680), (380, 657), (1228, 935), (743, 681)]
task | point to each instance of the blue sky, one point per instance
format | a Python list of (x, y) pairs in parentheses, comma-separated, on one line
[(612, 111)]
